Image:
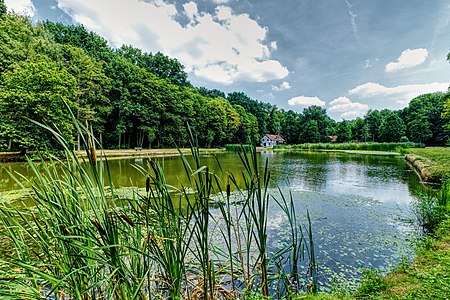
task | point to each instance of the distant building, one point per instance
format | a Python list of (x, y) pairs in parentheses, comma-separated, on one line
[(270, 140)]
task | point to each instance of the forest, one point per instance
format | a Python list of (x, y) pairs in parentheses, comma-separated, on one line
[(131, 98)]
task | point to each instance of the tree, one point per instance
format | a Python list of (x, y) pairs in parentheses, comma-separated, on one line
[(40, 91), (77, 35), (344, 131), (291, 127), (214, 93), (419, 129), (258, 109), (323, 121), (21, 41), (310, 132), (373, 121), (92, 87), (392, 127), (248, 127), (2, 8), (431, 107), (159, 64)]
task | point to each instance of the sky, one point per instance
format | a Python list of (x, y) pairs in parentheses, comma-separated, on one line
[(347, 56)]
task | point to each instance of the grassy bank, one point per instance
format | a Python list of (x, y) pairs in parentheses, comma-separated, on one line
[(432, 163), (357, 146)]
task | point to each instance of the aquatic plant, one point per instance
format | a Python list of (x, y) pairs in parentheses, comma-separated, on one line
[(80, 240), (359, 146)]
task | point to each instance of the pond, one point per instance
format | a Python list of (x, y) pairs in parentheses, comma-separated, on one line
[(360, 205)]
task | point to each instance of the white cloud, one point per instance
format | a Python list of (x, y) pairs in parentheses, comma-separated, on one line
[(222, 46), (221, 1), (346, 109), (190, 9), (352, 19), (401, 94), (284, 86), (21, 6), (368, 64), (408, 59), (305, 101)]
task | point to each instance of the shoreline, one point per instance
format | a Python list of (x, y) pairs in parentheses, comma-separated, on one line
[(422, 166)]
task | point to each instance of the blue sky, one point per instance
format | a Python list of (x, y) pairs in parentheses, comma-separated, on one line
[(345, 55)]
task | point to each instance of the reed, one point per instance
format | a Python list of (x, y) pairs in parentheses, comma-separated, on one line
[(387, 147), (80, 240)]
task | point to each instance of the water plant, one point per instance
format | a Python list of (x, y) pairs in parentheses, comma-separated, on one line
[(80, 240), (359, 146)]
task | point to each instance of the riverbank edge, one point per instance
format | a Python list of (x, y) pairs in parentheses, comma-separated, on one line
[(422, 166)]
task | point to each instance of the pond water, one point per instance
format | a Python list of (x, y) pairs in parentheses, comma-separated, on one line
[(360, 205)]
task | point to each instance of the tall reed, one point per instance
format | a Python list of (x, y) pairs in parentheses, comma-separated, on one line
[(80, 240)]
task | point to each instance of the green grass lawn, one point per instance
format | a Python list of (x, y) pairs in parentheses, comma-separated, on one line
[(434, 163)]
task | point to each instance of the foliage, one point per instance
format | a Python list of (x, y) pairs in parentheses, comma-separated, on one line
[(373, 283), (392, 127), (133, 98), (40, 91), (2, 8), (423, 117)]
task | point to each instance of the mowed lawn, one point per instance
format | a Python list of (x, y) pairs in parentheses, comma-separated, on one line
[(433, 162)]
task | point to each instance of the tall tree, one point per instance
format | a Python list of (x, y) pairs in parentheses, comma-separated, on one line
[(92, 87), (344, 131), (430, 107), (323, 121), (158, 64), (419, 129), (310, 132), (291, 127), (392, 127), (39, 91), (373, 121), (2, 8), (79, 36), (258, 109)]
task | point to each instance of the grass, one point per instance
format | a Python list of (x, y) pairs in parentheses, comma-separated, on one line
[(387, 147), (82, 241), (432, 163), (237, 147), (427, 278)]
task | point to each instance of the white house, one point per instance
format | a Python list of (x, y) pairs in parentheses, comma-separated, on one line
[(270, 140)]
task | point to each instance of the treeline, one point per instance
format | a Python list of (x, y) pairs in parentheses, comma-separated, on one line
[(132, 98)]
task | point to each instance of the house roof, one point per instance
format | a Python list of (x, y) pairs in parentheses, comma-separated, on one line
[(275, 138)]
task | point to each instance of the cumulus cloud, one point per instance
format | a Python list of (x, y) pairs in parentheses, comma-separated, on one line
[(220, 46), (220, 1), (401, 94), (408, 59), (346, 109), (305, 101), (284, 86), (21, 6)]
